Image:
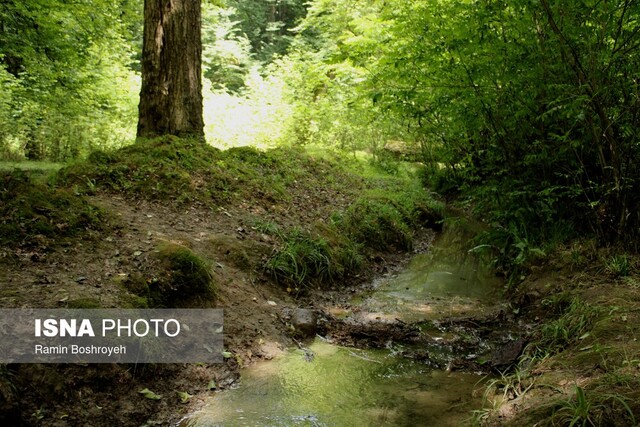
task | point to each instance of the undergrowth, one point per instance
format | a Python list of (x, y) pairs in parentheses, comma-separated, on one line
[(590, 408), (334, 251), (574, 324), (386, 221)]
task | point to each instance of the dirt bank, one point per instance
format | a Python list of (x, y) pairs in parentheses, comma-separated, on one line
[(114, 262), (582, 364)]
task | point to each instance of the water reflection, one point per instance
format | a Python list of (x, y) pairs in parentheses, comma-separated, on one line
[(343, 387), (447, 281)]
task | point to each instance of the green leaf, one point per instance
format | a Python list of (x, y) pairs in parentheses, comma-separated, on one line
[(149, 394)]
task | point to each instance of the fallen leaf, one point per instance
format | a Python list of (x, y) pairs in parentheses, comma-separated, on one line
[(184, 396), (149, 394)]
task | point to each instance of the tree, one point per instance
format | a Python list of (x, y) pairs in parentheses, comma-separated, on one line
[(171, 94), (67, 85), (268, 24)]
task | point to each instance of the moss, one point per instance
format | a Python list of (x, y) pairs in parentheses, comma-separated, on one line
[(188, 171), (156, 169), (185, 278), (376, 224), (30, 211), (134, 301), (134, 283)]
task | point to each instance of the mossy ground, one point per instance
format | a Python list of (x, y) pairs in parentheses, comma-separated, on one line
[(33, 213), (188, 171)]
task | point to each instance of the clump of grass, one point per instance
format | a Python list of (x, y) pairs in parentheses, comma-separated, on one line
[(305, 259), (185, 278), (617, 265), (267, 227), (30, 211), (377, 225), (593, 410), (574, 324)]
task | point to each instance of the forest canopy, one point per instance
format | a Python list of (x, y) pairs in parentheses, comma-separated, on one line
[(529, 108)]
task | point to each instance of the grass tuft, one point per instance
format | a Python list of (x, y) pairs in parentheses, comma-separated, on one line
[(305, 259)]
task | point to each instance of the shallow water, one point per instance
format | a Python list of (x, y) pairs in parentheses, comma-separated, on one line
[(447, 281), (349, 387), (344, 387)]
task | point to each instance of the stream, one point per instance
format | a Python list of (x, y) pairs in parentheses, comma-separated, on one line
[(325, 384)]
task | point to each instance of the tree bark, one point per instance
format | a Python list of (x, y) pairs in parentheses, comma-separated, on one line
[(171, 94)]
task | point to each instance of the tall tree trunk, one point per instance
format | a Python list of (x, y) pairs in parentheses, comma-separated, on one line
[(171, 95)]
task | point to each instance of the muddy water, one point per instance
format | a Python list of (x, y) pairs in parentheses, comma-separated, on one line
[(447, 281), (328, 385)]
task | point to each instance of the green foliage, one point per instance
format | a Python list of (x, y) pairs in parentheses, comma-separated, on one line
[(32, 213), (522, 106), (226, 55), (617, 265), (267, 23), (385, 221), (529, 108), (65, 78), (306, 259)]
